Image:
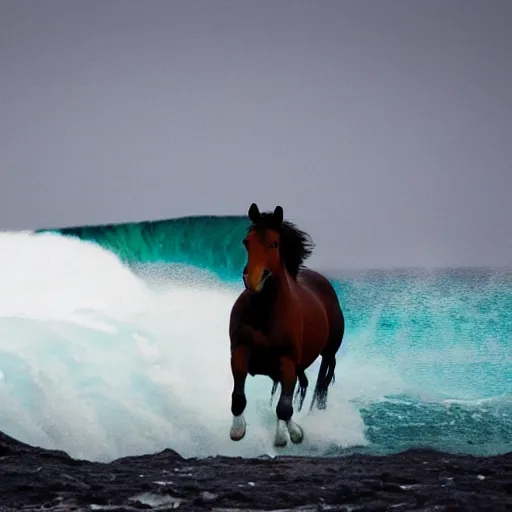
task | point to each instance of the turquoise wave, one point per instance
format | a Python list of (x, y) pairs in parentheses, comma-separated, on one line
[(442, 336), (212, 243), (425, 308)]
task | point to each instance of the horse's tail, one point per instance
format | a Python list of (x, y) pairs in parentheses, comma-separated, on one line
[(325, 378)]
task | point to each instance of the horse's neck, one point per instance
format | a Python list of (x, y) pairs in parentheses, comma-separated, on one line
[(283, 285), (264, 301)]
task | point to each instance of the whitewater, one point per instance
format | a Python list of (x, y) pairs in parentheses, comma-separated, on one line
[(105, 358)]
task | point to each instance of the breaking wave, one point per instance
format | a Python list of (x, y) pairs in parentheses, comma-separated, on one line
[(113, 342), (205, 242)]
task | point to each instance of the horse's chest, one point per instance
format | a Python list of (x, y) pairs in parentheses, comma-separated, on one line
[(273, 324), (264, 361), (280, 339), (263, 320)]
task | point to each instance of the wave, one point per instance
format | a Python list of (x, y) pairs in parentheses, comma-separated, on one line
[(99, 363), (113, 342), (205, 242)]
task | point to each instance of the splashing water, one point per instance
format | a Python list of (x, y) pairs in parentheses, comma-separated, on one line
[(104, 360), (96, 362)]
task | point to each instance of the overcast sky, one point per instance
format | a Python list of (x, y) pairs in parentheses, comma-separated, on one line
[(384, 128)]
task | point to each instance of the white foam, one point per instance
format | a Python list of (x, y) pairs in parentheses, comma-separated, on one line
[(97, 363), (157, 500), (49, 276)]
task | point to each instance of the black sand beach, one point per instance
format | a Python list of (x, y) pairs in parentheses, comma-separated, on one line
[(35, 479)]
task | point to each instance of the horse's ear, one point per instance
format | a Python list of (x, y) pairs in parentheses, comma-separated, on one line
[(254, 213), (278, 215)]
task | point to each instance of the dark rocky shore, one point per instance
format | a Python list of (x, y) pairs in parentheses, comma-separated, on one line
[(37, 479)]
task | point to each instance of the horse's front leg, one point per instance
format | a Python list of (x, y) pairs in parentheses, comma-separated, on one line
[(284, 409), (239, 368)]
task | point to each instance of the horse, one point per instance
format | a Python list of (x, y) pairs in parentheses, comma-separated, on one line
[(285, 318)]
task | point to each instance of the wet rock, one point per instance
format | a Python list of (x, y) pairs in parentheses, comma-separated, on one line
[(37, 479)]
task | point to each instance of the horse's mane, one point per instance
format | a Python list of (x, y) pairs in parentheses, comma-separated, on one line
[(296, 245)]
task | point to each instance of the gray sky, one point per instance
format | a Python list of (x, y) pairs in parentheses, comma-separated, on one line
[(384, 128)]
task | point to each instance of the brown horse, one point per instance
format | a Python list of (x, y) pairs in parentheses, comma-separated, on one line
[(285, 318)]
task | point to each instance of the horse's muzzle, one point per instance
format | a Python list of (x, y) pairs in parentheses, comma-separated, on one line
[(259, 286)]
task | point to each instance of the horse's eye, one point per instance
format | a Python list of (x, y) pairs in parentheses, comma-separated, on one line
[(274, 245)]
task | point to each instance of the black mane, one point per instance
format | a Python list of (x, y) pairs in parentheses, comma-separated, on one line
[(296, 245)]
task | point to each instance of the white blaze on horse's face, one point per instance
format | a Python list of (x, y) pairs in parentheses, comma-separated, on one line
[(262, 258)]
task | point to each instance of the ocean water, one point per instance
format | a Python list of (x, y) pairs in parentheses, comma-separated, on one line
[(114, 342)]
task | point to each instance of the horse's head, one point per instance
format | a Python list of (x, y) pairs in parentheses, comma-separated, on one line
[(263, 247)]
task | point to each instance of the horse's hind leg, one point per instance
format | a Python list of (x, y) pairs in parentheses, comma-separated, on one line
[(273, 392), (239, 369), (284, 409)]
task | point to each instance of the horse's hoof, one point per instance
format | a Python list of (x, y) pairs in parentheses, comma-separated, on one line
[(237, 435), (237, 431), (296, 432), (281, 438)]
